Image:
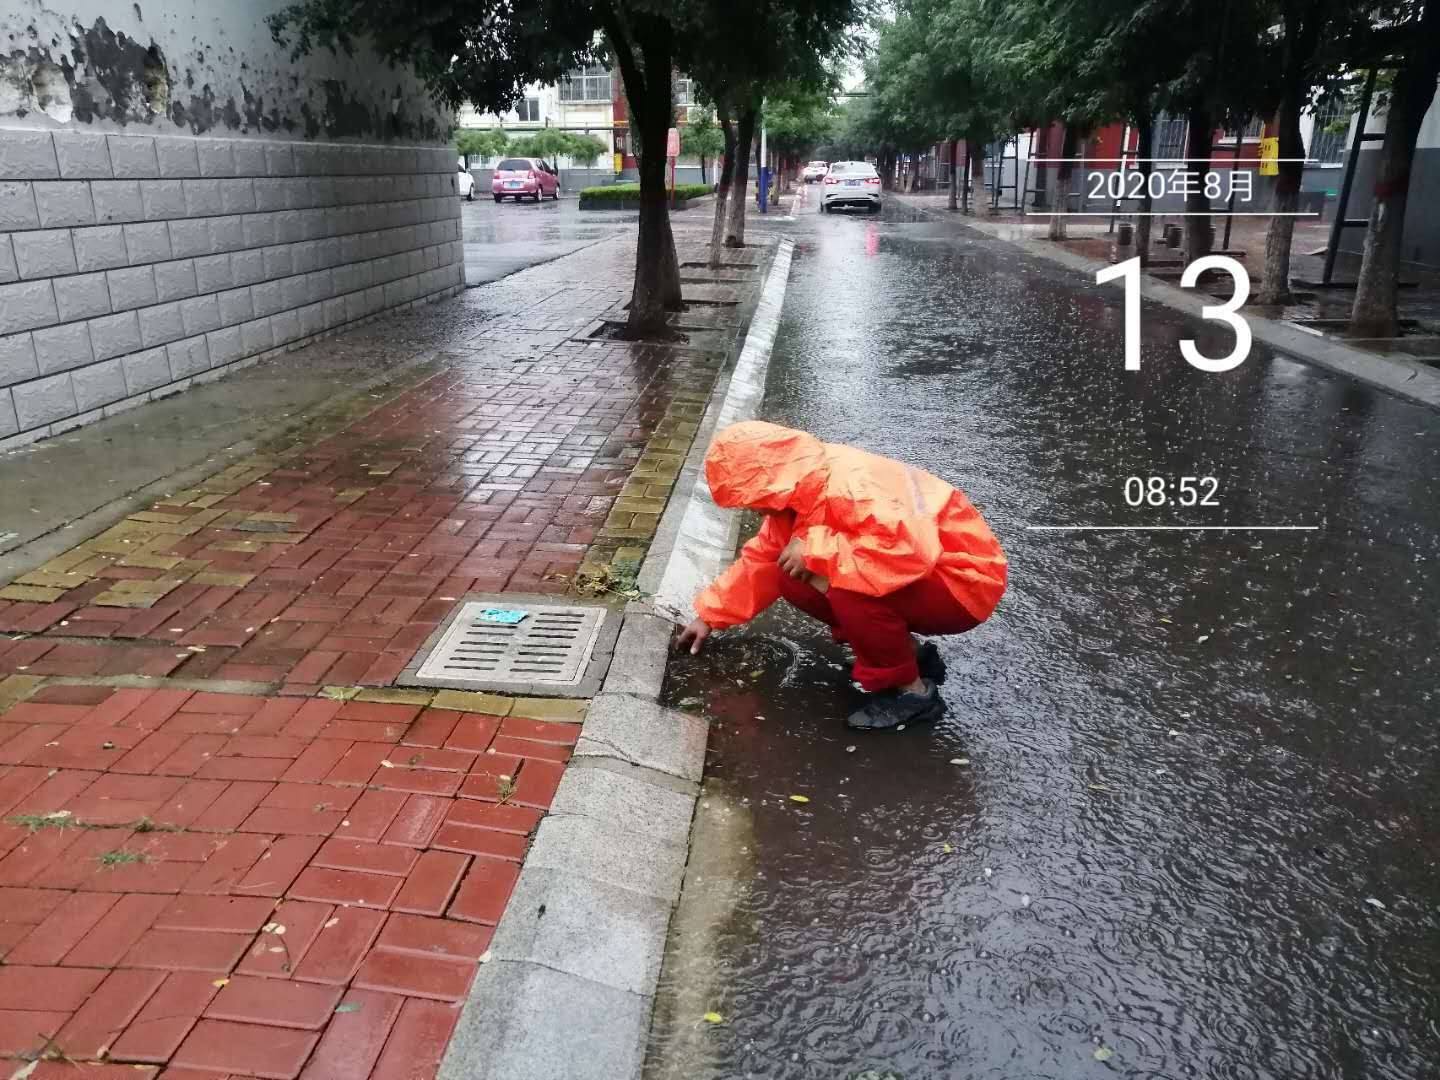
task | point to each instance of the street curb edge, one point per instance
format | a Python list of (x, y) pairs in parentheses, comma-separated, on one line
[(699, 538)]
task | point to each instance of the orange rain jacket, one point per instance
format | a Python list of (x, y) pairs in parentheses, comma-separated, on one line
[(870, 524)]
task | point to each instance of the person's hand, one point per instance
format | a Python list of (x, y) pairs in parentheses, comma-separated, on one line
[(792, 559), (693, 636)]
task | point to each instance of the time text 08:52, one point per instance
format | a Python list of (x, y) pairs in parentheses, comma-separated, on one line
[(1168, 491)]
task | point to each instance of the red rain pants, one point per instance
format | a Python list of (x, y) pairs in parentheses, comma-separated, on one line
[(878, 628)]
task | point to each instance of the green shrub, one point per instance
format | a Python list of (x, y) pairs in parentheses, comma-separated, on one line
[(631, 192)]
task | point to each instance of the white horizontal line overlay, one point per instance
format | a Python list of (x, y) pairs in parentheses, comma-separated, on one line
[(1175, 213), (1156, 160), (1172, 528)]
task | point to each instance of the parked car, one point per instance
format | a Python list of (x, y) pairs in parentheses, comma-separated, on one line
[(524, 178), (465, 184), (814, 171), (851, 183)]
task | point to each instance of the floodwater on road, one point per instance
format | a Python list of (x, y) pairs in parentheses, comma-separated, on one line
[(501, 238), (1181, 817)]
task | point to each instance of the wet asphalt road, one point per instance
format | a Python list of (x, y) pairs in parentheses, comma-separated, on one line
[(1193, 832), (501, 238)]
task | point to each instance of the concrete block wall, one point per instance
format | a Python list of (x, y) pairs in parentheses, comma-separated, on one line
[(134, 265)]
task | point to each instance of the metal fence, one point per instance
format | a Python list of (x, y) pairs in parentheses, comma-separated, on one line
[(1169, 137), (1328, 147)]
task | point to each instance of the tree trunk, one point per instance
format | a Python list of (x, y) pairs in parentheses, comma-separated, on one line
[(1301, 39), (1375, 313), (1280, 233), (954, 173), (1197, 204), (977, 170), (1145, 145), (647, 88), (996, 192), (740, 182), (965, 182), (1063, 172), (1040, 148), (657, 270), (722, 191)]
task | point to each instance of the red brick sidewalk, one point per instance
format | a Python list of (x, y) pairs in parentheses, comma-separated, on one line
[(220, 854), (178, 868)]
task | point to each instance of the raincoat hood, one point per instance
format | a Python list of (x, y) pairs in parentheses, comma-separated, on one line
[(865, 523), (764, 466)]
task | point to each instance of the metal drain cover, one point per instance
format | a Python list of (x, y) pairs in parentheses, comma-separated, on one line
[(561, 650)]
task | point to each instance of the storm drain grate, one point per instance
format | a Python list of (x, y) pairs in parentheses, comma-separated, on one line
[(550, 647)]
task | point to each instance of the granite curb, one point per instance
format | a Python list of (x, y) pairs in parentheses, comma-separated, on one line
[(567, 989), (696, 539)]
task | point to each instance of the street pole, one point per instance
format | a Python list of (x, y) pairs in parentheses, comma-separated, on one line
[(764, 174)]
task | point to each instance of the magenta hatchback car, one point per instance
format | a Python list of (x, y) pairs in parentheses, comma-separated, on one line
[(524, 178)]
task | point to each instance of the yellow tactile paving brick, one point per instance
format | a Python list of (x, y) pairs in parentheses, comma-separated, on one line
[(33, 593), (226, 578), (472, 701), (563, 709)]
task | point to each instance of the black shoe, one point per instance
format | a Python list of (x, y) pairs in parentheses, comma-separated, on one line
[(930, 664), (884, 711)]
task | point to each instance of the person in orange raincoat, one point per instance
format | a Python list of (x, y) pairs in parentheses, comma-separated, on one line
[(875, 548)]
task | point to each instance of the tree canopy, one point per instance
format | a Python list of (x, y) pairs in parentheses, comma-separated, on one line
[(481, 142), (798, 119), (487, 54), (978, 69), (703, 136)]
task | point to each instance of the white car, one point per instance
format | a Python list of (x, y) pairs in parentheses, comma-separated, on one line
[(814, 171), (465, 183), (851, 183)]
